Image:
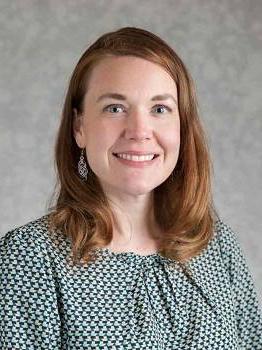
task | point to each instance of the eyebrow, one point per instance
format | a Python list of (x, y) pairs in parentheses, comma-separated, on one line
[(122, 97)]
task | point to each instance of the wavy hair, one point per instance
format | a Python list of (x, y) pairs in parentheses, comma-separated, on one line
[(183, 204)]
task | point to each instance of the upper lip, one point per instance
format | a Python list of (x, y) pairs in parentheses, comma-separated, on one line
[(137, 152)]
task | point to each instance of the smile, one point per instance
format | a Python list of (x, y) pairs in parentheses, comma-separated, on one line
[(137, 158), (136, 161)]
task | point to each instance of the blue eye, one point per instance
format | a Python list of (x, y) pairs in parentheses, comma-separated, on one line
[(163, 106), (112, 108)]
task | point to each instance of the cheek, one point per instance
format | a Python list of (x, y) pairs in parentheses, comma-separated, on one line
[(100, 138), (171, 138)]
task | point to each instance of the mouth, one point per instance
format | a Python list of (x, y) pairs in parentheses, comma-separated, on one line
[(117, 156), (137, 162)]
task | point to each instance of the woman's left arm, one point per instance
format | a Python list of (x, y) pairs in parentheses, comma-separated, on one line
[(248, 313)]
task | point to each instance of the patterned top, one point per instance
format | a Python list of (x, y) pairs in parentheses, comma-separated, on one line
[(124, 300)]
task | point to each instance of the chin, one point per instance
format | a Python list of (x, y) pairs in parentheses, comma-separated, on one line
[(137, 190), (130, 186)]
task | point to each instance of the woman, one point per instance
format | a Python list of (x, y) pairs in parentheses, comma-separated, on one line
[(132, 254)]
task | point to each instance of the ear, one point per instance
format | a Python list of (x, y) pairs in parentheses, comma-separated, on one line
[(78, 129)]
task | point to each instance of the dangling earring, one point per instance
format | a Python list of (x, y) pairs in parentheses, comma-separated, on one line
[(82, 166)]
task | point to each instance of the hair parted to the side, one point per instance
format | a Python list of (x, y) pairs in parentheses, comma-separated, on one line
[(183, 204)]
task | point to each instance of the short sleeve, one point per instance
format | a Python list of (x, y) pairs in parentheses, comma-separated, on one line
[(248, 313), (29, 317)]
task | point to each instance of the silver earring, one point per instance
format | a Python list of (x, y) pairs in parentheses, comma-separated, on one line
[(82, 166)]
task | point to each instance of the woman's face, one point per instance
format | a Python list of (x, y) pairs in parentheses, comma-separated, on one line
[(135, 119)]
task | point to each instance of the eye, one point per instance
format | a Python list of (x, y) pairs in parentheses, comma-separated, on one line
[(113, 108), (163, 107)]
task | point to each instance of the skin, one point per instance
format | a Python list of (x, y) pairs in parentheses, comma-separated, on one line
[(136, 123)]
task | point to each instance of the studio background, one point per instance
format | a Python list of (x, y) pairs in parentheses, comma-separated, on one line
[(220, 43)]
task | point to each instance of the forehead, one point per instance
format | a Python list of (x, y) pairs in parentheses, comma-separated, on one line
[(130, 72)]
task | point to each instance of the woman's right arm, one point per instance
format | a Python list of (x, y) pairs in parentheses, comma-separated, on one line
[(29, 316)]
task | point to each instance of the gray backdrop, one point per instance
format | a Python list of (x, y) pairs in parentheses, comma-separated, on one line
[(219, 41)]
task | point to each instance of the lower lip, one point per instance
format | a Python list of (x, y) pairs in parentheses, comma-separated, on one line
[(136, 164)]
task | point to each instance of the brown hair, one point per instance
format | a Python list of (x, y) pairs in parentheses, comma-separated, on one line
[(183, 204)]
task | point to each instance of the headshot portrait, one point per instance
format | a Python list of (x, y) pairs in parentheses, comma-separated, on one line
[(128, 244)]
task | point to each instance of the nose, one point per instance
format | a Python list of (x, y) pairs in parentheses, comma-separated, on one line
[(138, 126)]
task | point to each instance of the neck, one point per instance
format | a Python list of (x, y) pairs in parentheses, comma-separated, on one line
[(134, 224)]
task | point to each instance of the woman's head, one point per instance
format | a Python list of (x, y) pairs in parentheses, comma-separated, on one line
[(146, 54), (138, 65), (123, 112)]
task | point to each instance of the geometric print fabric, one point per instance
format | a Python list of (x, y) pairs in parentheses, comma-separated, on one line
[(124, 301)]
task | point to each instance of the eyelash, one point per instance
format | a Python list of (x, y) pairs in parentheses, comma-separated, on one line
[(119, 105)]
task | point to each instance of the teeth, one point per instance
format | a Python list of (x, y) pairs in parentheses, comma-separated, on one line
[(136, 158)]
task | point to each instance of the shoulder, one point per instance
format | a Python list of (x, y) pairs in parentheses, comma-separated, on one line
[(224, 234), (30, 234), (32, 238), (227, 240), (223, 248)]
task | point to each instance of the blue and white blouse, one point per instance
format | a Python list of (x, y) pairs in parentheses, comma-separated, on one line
[(124, 300)]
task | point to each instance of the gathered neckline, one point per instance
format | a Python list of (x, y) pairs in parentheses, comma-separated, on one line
[(135, 257), (107, 251)]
